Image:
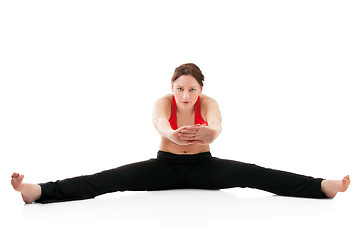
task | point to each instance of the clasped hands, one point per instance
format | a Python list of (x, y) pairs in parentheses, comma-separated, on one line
[(194, 134)]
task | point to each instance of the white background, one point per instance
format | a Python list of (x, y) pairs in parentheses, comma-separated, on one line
[(79, 79)]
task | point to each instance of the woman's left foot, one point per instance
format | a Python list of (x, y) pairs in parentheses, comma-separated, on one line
[(331, 187)]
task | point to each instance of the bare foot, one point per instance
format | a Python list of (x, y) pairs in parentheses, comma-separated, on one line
[(29, 192), (331, 187), (16, 181)]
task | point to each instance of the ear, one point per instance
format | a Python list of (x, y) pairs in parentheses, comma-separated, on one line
[(172, 87), (201, 89)]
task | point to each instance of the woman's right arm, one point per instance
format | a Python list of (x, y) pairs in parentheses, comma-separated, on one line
[(160, 116)]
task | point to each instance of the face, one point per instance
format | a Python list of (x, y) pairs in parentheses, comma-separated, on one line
[(186, 91)]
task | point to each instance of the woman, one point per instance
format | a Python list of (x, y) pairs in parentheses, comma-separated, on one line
[(188, 122)]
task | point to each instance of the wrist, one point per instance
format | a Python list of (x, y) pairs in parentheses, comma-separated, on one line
[(169, 134)]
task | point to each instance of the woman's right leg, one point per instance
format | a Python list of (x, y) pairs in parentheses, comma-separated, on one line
[(146, 175)]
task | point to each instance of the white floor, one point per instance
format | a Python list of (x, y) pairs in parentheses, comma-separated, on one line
[(186, 214)]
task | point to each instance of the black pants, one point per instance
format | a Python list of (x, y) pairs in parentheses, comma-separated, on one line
[(173, 171)]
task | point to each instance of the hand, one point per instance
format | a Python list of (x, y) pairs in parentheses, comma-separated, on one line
[(174, 137), (197, 134)]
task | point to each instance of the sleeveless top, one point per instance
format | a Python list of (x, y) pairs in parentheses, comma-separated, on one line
[(198, 117)]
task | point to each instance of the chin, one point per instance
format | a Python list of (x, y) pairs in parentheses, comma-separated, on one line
[(186, 105)]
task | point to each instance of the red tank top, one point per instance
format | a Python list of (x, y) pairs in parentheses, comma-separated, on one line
[(198, 117)]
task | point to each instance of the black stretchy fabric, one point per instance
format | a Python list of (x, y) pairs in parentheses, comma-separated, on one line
[(181, 171)]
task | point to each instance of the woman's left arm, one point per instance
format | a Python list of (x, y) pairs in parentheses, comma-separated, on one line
[(213, 116)]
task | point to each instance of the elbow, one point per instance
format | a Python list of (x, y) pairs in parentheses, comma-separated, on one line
[(216, 125), (218, 130), (157, 124)]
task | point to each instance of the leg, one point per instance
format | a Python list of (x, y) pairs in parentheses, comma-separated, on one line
[(145, 175), (222, 173)]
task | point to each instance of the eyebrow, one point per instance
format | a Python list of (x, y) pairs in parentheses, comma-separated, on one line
[(190, 87)]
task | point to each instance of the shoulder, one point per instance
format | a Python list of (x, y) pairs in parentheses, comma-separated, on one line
[(210, 108), (207, 101), (166, 99), (162, 106)]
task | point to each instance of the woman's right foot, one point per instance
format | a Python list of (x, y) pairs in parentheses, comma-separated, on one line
[(16, 181), (29, 192)]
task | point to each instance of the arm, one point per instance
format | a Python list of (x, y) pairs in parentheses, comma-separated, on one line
[(160, 116), (213, 116)]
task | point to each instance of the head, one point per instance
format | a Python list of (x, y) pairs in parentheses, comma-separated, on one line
[(186, 84)]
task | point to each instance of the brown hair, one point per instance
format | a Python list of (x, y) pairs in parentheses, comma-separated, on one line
[(188, 69)]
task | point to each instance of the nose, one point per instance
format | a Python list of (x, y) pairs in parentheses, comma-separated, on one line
[(186, 95)]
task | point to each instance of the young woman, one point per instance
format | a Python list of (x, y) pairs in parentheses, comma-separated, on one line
[(188, 122)]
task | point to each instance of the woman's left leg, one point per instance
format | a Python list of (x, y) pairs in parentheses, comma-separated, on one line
[(222, 173)]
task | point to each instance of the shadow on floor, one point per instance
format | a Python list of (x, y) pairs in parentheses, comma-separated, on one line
[(174, 207)]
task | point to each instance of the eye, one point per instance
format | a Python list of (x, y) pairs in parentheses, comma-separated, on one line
[(192, 90), (179, 89)]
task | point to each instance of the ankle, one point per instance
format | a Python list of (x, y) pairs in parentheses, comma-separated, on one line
[(328, 188), (31, 192)]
